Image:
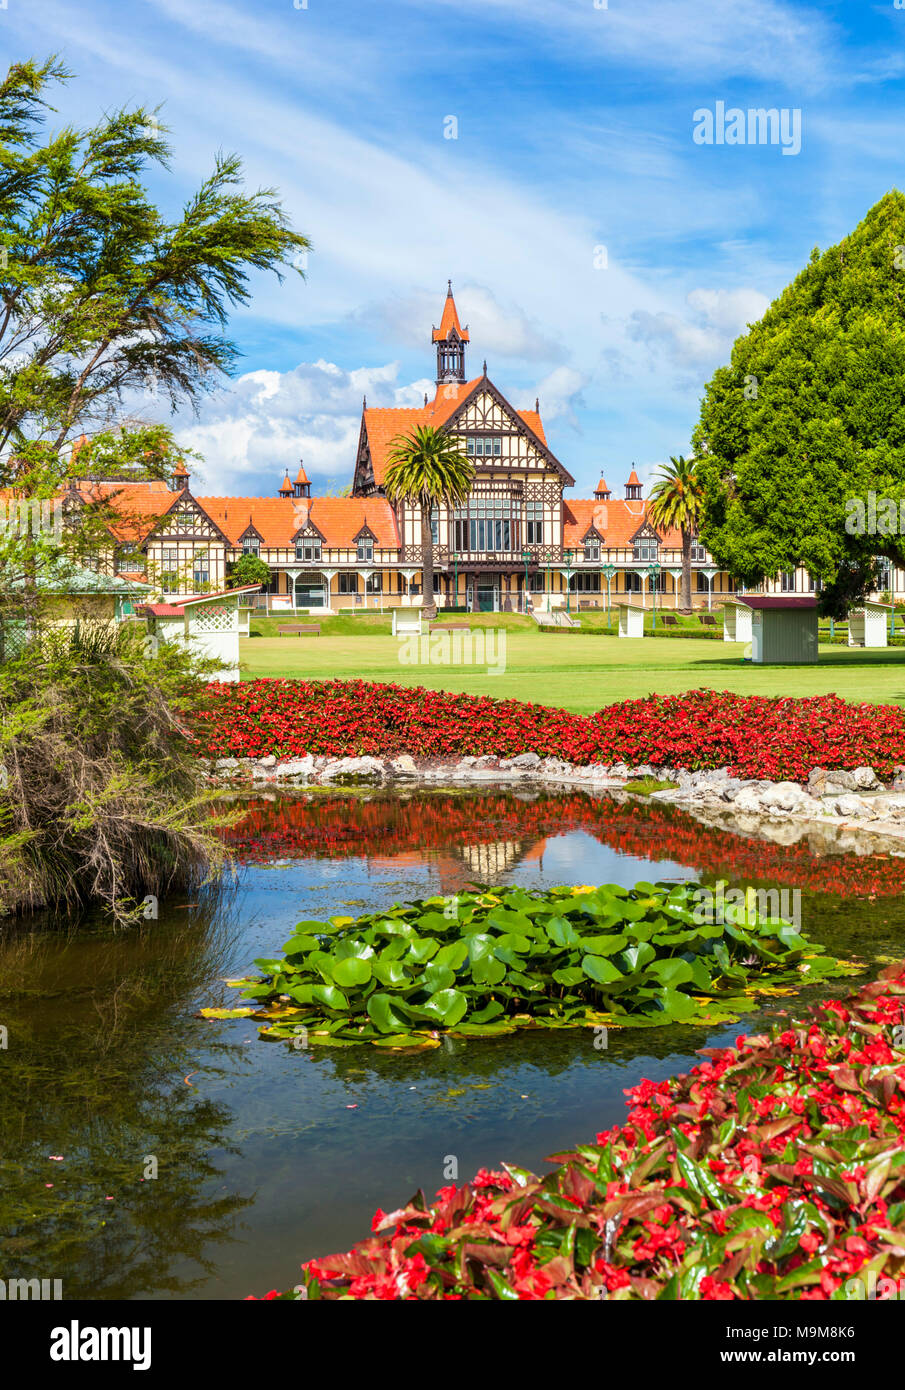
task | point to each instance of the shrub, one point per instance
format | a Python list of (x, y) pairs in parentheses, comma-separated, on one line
[(101, 799)]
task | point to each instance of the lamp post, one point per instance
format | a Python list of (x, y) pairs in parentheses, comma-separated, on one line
[(608, 571), (455, 560), (652, 572), (526, 556), (567, 555)]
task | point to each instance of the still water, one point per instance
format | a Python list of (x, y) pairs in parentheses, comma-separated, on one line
[(265, 1156)]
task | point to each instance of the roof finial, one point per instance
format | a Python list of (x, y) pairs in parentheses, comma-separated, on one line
[(364, 402), (449, 287), (485, 366), (537, 405), (425, 399)]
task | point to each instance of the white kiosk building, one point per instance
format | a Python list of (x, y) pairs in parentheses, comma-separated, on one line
[(736, 622), (210, 624), (868, 625), (631, 620)]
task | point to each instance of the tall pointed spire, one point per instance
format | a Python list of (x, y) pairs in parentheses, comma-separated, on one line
[(450, 339)]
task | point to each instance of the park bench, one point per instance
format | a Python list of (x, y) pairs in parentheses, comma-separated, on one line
[(585, 604), (450, 627), (669, 620), (708, 620), (298, 629)]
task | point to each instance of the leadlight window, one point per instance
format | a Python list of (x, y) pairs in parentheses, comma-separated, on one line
[(484, 446), (251, 546), (698, 553), (486, 524), (169, 569), (365, 550), (308, 550), (201, 572), (646, 550), (592, 551), (534, 523)]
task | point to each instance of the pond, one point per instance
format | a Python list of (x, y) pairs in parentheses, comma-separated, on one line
[(265, 1156)]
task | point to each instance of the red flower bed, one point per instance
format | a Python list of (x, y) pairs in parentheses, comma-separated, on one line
[(754, 736), (774, 1169)]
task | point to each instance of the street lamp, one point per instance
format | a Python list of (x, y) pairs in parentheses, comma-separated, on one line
[(567, 555), (526, 556), (455, 560), (608, 571), (652, 572)]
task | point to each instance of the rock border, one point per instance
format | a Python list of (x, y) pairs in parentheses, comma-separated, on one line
[(833, 799)]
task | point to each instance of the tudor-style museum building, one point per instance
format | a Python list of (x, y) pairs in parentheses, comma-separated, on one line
[(518, 538)]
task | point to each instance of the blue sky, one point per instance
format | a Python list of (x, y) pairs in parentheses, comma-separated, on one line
[(575, 132)]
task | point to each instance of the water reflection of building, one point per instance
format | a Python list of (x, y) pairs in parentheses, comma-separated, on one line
[(462, 865), (488, 861)]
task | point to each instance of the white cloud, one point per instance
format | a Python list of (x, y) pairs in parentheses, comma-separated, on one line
[(559, 394), (253, 432), (704, 335)]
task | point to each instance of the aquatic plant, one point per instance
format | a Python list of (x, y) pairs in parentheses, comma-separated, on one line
[(486, 963)]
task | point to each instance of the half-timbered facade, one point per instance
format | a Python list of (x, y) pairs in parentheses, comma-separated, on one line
[(519, 541)]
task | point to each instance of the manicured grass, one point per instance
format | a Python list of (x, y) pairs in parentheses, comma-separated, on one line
[(579, 671)]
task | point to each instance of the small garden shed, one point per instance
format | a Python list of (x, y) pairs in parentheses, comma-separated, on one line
[(783, 628), (868, 625), (631, 620), (736, 622)]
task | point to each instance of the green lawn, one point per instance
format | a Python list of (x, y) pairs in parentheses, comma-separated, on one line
[(578, 671)]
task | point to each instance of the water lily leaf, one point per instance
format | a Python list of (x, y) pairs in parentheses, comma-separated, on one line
[(352, 971), (671, 972), (561, 932), (447, 1006), (602, 945), (387, 1013), (600, 970), (227, 1013)]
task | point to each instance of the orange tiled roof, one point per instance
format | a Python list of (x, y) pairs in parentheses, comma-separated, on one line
[(449, 321), (277, 519), (384, 424), (617, 522), (139, 505), (633, 479)]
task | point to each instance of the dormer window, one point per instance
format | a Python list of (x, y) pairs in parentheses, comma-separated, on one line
[(251, 546), (698, 553), (308, 548), (646, 550), (365, 551), (592, 551)]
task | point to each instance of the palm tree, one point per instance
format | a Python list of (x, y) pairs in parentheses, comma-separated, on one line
[(427, 469), (677, 500)]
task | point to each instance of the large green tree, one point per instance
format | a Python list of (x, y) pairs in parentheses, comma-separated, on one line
[(106, 304), (427, 469), (808, 421)]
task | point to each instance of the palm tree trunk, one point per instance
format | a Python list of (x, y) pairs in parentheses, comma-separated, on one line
[(686, 568), (428, 606)]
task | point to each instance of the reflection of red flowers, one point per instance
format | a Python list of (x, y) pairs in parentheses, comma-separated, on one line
[(337, 827)]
